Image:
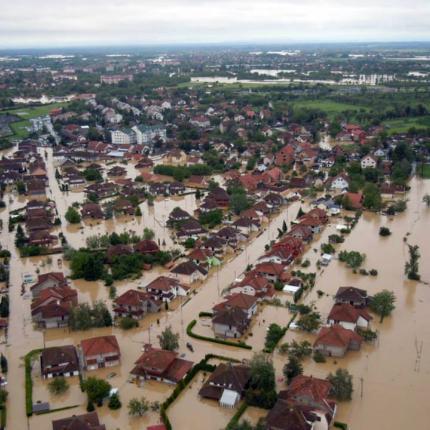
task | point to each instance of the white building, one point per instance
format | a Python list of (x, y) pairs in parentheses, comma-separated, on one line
[(146, 134), (123, 137), (368, 162)]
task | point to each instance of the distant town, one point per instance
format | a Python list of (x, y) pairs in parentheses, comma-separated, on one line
[(215, 238)]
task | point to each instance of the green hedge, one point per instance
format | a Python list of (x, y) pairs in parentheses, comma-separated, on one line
[(340, 425), (29, 381), (213, 339), (236, 417), (201, 366), (206, 314)]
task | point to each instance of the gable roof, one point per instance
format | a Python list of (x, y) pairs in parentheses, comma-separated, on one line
[(100, 345), (347, 313)]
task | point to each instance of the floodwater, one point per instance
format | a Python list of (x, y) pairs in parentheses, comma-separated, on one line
[(396, 379)]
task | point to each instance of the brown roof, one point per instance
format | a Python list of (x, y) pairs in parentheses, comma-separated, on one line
[(155, 360), (162, 283), (100, 345), (227, 376), (336, 336), (285, 416), (132, 298), (59, 359), (88, 421), (347, 313), (307, 386)]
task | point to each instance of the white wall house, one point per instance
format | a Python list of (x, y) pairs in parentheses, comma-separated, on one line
[(123, 137)]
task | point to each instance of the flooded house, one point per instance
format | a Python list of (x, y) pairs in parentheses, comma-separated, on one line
[(164, 288), (335, 341), (178, 215), (188, 272), (254, 285), (246, 225), (146, 247), (92, 211), (230, 323), (135, 304), (99, 352), (353, 296), (160, 365), (89, 421), (349, 317), (59, 361), (273, 272), (190, 228), (51, 308), (305, 405), (227, 384), (244, 302), (48, 280)]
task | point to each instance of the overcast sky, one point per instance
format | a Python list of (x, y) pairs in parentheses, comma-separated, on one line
[(33, 23)]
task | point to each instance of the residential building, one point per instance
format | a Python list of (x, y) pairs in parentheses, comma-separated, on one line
[(59, 361), (99, 352)]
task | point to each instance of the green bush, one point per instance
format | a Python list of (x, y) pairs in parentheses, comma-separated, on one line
[(340, 425)]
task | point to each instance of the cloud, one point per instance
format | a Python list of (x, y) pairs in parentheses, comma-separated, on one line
[(28, 23)]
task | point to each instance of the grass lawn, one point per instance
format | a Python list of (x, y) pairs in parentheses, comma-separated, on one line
[(423, 171), (26, 113), (402, 125), (332, 108)]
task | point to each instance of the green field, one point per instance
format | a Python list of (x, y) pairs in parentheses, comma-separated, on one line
[(423, 171), (402, 125), (26, 113), (332, 108)]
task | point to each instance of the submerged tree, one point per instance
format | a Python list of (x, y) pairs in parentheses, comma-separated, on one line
[(169, 340), (342, 384), (411, 266), (383, 303)]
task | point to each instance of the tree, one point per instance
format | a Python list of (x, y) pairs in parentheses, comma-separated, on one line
[(309, 322), (72, 216), (20, 239), (426, 200), (148, 234), (299, 350), (3, 364), (138, 211), (353, 259), (114, 402), (273, 335), (58, 385), (239, 202), (169, 340), (138, 407), (341, 381), (384, 231), (292, 368), (261, 391), (383, 303), (87, 265), (96, 389), (92, 175), (412, 266)]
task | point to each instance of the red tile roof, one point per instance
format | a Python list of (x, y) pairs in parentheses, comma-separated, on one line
[(100, 345)]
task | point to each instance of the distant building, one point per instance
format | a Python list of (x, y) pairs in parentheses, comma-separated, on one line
[(115, 79), (125, 136), (146, 134)]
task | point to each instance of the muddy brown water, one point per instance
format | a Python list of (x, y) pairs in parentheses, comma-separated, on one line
[(395, 379)]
